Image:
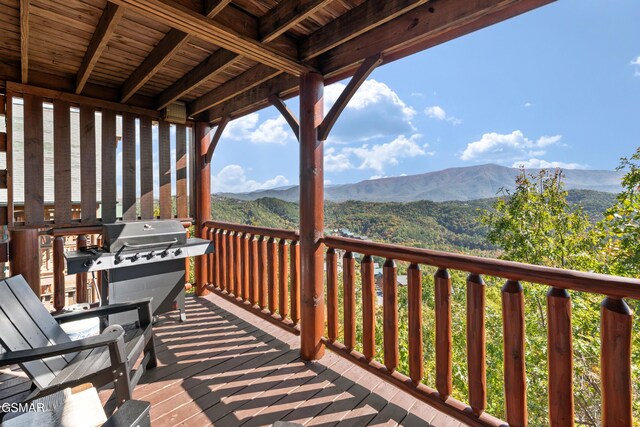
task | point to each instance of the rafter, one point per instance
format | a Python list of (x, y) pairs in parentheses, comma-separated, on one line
[(288, 115), (338, 107), (215, 64), (245, 81), (186, 20), (171, 43), (353, 23), (434, 23), (24, 40), (106, 26), (286, 15)]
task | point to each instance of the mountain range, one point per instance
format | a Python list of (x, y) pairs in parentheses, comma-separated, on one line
[(461, 184)]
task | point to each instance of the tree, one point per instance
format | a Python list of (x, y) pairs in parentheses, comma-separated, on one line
[(621, 224), (536, 225)]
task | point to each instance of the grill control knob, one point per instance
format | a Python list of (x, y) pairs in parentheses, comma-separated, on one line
[(118, 259), (178, 252), (151, 254), (164, 253), (88, 263), (135, 257)]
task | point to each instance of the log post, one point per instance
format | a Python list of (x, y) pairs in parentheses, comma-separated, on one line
[(81, 278), (25, 256), (560, 358), (58, 273), (615, 362), (444, 341), (311, 217), (476, 343), (513, 327), (203, 198)]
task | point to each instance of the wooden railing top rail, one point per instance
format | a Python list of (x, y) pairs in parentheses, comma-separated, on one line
[(262, 231), (614, 286)]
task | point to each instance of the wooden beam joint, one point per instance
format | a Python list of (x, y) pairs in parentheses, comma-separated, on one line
[(216, 137)]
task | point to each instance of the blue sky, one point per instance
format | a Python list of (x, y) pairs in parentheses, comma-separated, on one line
[(558, 86)]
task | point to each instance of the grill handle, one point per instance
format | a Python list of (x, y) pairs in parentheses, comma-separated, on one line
[(149, 245)]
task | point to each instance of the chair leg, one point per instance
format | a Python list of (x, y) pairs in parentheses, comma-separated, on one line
[(150, 349), (122, 385)]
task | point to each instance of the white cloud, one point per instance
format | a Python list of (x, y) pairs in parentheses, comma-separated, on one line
[(543, 164), (249, 128), (507, 147), (438, 113), (528, 104), (375, 111), (379, 156), (336, 162), (636, 63), (232, 179)]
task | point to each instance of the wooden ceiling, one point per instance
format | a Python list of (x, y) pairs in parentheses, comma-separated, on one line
[(223, 58)]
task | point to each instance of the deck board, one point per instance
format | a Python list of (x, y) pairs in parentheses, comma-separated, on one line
[(227, 367)]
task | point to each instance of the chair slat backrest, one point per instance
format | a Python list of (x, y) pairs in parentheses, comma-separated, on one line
[(26, 324)]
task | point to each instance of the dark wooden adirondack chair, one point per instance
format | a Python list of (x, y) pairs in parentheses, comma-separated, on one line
[(34, 339)]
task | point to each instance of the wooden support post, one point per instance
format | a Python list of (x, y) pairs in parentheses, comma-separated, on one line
[(311, 217), (560, 358), (58, 273), (203, 199), (25, 256), (81, 278), (515, 380), (615, 362), (444, 341), (476, 344)]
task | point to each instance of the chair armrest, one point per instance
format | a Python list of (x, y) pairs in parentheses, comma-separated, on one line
[(20, 356), (142, 305), (131, 413)]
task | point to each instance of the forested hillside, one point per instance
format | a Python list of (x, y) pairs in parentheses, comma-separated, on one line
[(436, 225)]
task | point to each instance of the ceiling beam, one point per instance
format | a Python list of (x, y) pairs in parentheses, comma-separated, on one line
[(106, 26), (287, 14), (355, 22), (170, 44), (24, 40), (215, 64), (245, 81), (188, 21), (434, 23)]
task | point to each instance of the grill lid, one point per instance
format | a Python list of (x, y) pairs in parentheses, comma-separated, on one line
[(143, 235)]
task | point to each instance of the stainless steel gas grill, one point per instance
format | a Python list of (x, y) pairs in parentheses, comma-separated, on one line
[(141, 259)]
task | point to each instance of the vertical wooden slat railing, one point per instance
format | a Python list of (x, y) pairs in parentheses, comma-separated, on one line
[(615, 330), (259, 269), (262, 294)]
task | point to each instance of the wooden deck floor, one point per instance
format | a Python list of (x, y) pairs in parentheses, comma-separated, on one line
[(226, 367)]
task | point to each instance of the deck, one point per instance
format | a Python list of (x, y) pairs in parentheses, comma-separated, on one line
[(227, 367)]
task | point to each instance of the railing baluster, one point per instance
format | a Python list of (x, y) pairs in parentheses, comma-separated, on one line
[(349, 301), (560, 358), (283, 279), (224, 265), (245, 266), (414, 282), (237, 257), (253, 268), (262, 272), (58, 273), (515, 388), (187, 265), (615, 362), (81, 278), (211, 259), (216, 252), (272, 273), (294, 253), (368, 307), (444, 382), (230, 264), (476, 344), (390, 315), (332, 294)]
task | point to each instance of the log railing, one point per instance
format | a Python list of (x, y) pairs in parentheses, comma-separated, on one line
[(250, 267), (257, 268)]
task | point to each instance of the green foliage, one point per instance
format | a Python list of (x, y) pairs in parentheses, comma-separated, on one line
[(536, 225), (621, 223)]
